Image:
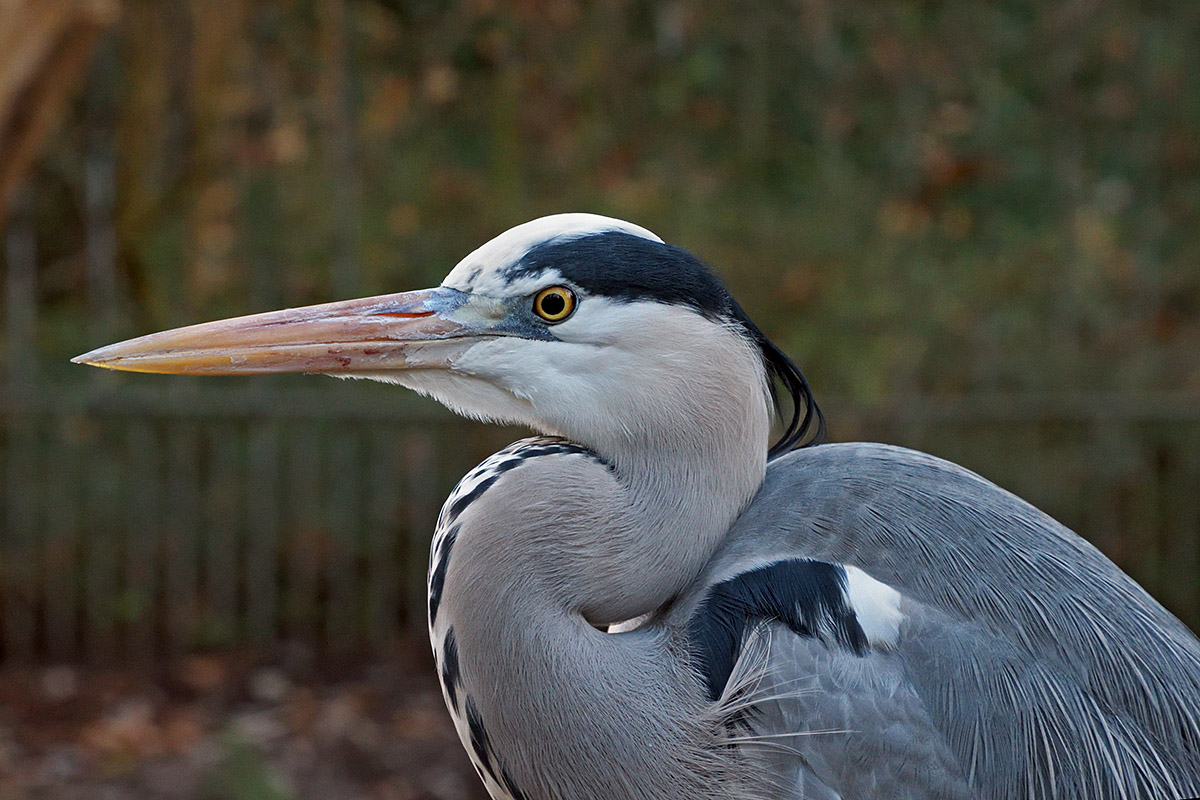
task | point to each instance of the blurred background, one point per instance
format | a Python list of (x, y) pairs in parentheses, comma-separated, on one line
[(976, 227)]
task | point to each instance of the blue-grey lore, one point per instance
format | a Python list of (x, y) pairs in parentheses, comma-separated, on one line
[(651, 601)]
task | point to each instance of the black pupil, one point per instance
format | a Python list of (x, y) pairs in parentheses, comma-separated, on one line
[(553, 304)]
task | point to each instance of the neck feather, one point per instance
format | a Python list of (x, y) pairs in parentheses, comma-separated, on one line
[(537, 692), (687, 461)]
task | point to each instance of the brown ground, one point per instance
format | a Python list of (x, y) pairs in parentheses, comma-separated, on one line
[(224, 727)]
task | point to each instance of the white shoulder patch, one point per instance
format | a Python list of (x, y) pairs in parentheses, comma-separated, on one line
[(877, 607), (482, 270)]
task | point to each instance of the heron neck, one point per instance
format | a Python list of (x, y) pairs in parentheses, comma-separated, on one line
[(681, 508), (563, 710), (564, 542), (545, 701), (680, 489)]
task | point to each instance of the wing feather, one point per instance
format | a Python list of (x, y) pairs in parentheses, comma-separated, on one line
[(1025, 658)]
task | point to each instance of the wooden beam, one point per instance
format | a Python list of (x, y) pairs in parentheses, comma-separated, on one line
[(45, 49)]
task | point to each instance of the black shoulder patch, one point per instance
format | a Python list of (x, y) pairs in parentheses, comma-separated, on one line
[(807, 596), (623, 266)]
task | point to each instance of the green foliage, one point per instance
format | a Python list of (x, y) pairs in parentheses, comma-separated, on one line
[(914, 196)]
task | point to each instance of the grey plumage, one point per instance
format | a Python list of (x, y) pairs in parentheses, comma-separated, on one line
[(1043, 670), (872, 622), (1027, 665)]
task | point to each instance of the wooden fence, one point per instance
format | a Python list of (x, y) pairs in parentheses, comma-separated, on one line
[(150, 518), (147, 516), (142, 524)]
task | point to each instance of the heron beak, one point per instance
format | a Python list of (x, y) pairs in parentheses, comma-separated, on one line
[(374, 334)]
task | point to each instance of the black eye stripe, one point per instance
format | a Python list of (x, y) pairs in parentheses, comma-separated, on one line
[(627, 268)]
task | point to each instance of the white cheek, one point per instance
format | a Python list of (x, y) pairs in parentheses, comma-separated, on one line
[(519, 366), (467, 395), (557, 381)]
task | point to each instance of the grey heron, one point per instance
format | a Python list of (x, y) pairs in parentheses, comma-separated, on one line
[(836, 621)]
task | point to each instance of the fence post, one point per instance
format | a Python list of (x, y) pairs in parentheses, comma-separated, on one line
[(143, 526), (383, 538), (422, 468), (223, 524), (341, 569), (306, 531), (182, 514), (262, 532), (62, 537)]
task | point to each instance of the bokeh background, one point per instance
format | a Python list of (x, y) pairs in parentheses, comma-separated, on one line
[(975, 225)]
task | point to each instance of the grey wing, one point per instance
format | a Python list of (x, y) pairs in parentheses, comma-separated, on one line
[(823, 722), (1024, 662)]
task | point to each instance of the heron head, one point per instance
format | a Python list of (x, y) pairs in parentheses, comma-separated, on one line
[(573, 324)]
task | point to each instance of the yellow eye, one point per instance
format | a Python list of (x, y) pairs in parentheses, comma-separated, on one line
[(554, 304)]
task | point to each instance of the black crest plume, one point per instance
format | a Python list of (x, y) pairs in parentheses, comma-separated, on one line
[(806, 425)]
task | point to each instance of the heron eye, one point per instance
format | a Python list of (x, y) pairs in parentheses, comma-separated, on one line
[(554, 304)]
